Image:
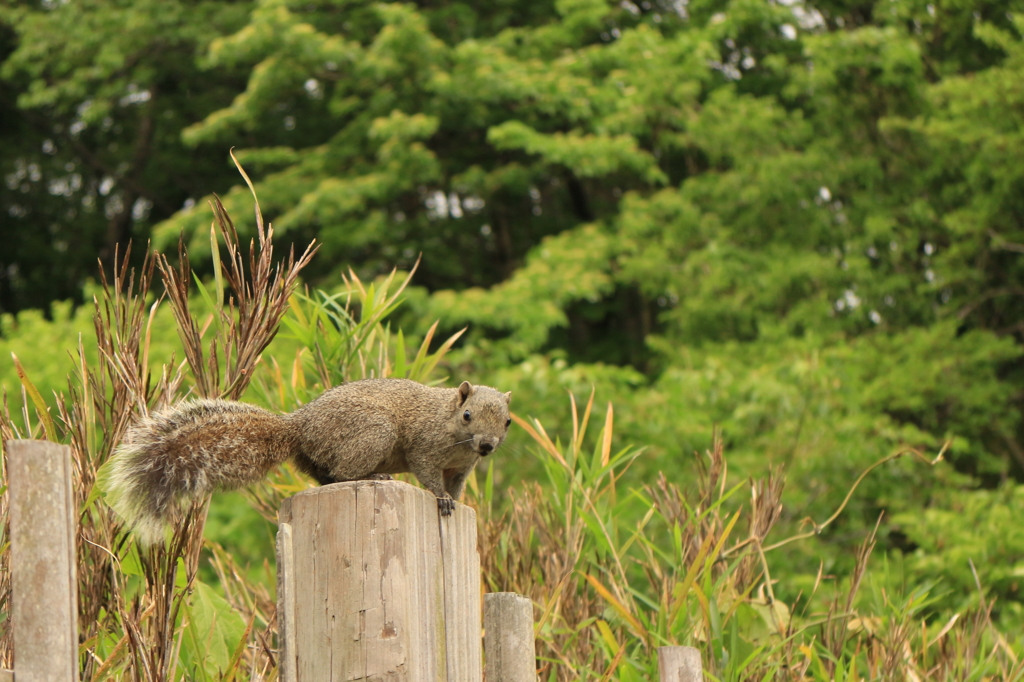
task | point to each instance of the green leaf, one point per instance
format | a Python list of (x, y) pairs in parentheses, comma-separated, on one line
[(212, 633)]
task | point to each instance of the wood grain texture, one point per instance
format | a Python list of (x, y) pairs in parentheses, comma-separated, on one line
[(6, 675), (383, 589), (509, 646), (679, 664), (44, 585), (461, 566)]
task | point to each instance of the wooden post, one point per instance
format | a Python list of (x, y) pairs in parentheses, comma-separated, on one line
[(44, 584), (461, 571), (377, 586), (509, 645), (679, 664)]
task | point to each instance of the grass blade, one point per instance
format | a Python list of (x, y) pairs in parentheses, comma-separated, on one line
[(33, 393)]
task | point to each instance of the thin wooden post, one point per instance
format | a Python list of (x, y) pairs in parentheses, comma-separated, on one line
[(509, 645), (285, 603), (377, 586), (44, 585), (679, 664)]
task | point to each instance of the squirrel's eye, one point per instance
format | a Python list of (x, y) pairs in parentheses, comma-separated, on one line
[(508, 422), (466, 415)]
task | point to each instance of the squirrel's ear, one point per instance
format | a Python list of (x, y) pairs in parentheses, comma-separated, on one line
[(465, 390), (508, 398)]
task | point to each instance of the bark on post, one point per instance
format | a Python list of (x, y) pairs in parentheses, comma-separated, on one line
[(679, 664), (44, 584), (378, 586), (509, 646)]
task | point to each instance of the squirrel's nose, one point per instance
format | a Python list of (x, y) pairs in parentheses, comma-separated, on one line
[(486, 447)]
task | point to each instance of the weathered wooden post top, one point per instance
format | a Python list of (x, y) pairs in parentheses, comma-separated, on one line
[(373, 584)]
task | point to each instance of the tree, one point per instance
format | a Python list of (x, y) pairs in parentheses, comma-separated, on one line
[(638, 184), (800, 221), (95, 95)]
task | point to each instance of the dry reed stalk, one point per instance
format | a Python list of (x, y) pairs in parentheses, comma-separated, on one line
[(104, 397), (765, 511), (835, 631), (530, 550), (247, 321), (243, 326), (102, 403)]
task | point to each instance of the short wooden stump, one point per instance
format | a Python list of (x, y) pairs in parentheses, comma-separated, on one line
[(374, 584)]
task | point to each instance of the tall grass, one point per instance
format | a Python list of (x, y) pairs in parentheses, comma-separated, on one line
[(144, 614), (137, 611), (614, 572)]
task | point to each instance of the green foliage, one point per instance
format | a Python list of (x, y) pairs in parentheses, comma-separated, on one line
[(48, 346), (149, 599), (797, 222), (95, 95), (213, 632), (972, 538), (616, 574)]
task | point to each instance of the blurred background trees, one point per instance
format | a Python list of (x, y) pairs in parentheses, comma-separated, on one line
[(800, 221)]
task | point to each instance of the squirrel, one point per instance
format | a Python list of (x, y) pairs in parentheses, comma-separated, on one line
[(365, 429)]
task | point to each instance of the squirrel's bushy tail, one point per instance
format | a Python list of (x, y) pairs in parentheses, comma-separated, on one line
[(188, 451)]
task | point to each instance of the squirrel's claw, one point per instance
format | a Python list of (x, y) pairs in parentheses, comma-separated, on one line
[(445, 505)]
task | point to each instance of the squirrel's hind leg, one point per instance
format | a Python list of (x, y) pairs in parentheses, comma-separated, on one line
[(324, 477), (343, 450), (318, 473), (363, 453), (327, 479)]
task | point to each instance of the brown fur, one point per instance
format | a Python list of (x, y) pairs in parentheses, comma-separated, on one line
[(364, 429)]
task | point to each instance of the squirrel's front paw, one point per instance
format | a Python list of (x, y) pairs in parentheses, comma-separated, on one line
[(445, 505), (379, 477)]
